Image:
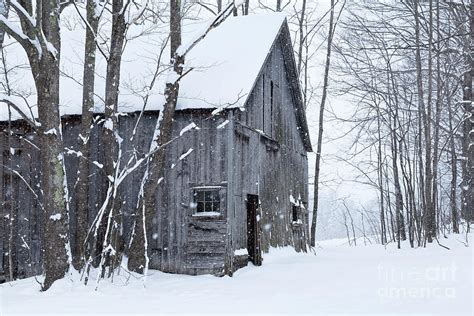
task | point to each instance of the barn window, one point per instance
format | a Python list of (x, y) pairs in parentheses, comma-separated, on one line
[(207, 201)]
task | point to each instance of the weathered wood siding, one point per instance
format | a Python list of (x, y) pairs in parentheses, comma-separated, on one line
[(180, 242), (270, 159), (185, 243), (18, 204)]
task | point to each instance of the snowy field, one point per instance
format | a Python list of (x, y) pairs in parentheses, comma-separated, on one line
[(339, 280)]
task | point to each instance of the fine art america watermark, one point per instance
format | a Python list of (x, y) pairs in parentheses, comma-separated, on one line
[(431, 282)]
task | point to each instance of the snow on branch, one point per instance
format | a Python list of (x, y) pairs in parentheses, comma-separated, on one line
[(133, 17), (79, 154), (187, 128), (24, 15), (223, 124), (18, 35), (183, 156), (31, 26), (186, 48), (220, 108), (9, 101)]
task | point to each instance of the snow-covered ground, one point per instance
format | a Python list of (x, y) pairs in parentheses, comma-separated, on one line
[(339, 279)]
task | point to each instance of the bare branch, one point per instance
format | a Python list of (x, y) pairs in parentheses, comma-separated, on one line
[(30, 121)]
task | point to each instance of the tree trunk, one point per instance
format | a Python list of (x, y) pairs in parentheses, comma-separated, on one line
[(470, 102), (246, 7), (383, 229), (110, 230), (321, 125), (395, 149), (467, 208), (454, 172), (398, 192), (301, 34), (425, 123), (138, 257), (409, 192), (439, 96), (55, 217), (82, 187), (430, 227), (44, 59)]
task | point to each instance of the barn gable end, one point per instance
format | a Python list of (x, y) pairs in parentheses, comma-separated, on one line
[(271, 141)]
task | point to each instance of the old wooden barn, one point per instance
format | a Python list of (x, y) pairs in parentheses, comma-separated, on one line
[(234, 187)]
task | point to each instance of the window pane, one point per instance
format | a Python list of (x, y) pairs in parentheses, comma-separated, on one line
[(208, 195), (200, 196), (200, 207), (214, 196), (216, 207)]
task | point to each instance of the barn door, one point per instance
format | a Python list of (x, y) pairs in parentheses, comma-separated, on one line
[(253, 231)]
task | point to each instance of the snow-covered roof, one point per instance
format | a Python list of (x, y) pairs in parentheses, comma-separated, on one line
[(225, 64)]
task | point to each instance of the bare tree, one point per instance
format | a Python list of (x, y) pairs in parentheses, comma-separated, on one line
[(40, 38), (332, 29), (402, 79), (468, 125), (82, 186)]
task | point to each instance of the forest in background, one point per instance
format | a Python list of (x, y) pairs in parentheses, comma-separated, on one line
[(406, 68)]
